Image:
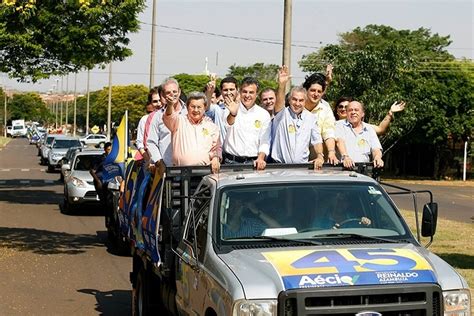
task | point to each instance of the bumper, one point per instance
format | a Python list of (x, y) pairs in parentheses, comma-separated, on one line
[(80, 195)]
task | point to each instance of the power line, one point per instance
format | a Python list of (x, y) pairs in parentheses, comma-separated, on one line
[(265, 41)]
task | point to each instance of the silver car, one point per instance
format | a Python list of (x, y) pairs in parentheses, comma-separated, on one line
[(78, 182), (45, 147), (59, 147), (97, 140)]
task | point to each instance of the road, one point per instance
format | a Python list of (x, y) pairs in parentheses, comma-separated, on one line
[(53, 264), (455, 202)]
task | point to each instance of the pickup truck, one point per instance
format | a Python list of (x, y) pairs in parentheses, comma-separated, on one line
[(288, 240)]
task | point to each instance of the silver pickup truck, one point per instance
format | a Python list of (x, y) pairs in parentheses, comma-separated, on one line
[(284, 241)]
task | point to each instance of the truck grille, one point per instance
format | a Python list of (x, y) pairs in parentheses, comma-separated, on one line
[(389, 300)]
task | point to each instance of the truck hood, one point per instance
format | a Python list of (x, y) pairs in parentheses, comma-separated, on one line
[(266, 272)]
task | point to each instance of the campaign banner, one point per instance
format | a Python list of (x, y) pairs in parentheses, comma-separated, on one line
[(349, 267)]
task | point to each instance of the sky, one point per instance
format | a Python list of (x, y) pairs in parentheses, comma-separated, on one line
[(246, 32)]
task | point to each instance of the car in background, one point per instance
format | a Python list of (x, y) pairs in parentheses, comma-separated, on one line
[(45, 147), (59, 147), (78, 183), (96, 140)]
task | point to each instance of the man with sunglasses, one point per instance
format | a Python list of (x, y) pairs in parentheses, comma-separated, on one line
[(294, 127), (143, 128)]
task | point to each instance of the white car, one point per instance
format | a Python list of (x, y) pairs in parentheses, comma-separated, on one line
[(97, 140)]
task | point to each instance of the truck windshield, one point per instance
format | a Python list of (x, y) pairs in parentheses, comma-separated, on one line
[(66, 143), (308, 211), (18, 127)]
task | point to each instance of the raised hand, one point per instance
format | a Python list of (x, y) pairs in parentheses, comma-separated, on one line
[(397, 107), (283, 75), (329, 69)]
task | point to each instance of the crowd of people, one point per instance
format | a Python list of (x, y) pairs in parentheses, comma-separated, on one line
[(226, 125)]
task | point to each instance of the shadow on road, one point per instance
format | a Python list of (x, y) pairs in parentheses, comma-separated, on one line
[(115, 302), (21, 196), (46, 242), (458, 260)]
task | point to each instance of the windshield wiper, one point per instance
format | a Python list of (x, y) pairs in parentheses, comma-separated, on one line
[(298, 241), (352, 235)]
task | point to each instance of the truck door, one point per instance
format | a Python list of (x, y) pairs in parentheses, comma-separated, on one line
[(192, 284)]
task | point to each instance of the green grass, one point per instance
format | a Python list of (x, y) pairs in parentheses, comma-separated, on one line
[(453, 242), (4, 141)]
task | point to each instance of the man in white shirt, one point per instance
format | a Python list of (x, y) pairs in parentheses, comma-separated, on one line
[(144, 123), (248, 128)]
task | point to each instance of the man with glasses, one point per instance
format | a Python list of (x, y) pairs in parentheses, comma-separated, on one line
[(159, 139), (143, 128), (294, 127)]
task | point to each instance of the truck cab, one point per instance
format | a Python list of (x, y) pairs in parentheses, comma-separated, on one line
[(287, 241)]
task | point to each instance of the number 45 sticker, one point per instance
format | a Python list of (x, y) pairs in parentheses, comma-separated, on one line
[(358, 260)]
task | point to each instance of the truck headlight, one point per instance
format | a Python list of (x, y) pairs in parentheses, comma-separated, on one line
[(457, 303), (77, 182), (255, 308)]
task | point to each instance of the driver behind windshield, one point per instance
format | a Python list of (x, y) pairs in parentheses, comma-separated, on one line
[(343, 213)]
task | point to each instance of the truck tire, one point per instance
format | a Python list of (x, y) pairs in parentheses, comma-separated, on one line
[(140, 295)]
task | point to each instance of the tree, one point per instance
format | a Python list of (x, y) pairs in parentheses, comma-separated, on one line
[(45, 38), (29, 106), (132, 98), (265, 74), (190, 83), (378, 65)]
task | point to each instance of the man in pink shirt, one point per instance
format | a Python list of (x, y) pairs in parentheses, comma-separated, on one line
[(194, 137)]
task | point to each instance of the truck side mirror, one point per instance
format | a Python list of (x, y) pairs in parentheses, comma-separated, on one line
[(429, 219)]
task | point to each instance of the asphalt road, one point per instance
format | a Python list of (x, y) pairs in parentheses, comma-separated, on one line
[(50, 263), (455, 202), (54, 264)]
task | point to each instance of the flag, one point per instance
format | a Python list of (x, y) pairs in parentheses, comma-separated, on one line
[(119, 152)]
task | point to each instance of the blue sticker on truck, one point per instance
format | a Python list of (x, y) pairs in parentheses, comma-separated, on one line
[(347, 267)]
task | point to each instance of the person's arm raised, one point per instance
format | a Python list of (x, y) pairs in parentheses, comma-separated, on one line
[(283, 77)]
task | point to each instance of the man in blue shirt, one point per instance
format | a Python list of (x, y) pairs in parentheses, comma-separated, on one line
[(294, 128), (356, 140)]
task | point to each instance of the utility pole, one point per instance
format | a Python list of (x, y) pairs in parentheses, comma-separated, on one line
[(109, 107), (152, 51), (62, 103), (75, 104), (5, 113), (56, 103), (286, 60), (88, 100), (67, 100)]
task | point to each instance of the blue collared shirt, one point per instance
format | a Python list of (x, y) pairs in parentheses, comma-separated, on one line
[(216, 114), (359, 146), (292, 136)]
